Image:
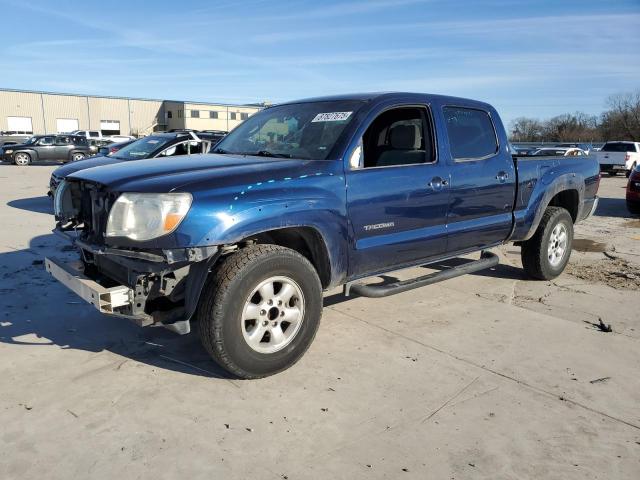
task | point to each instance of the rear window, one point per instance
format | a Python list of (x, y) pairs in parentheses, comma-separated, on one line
[(619, 147), (471, 133)]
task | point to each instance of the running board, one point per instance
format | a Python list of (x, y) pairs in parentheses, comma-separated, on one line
[(487, 260)]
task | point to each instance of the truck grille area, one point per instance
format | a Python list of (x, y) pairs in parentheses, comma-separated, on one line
[(83, 207)]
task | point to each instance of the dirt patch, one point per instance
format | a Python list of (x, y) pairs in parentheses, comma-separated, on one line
[(586, 245), (632, 224), (615, 273)]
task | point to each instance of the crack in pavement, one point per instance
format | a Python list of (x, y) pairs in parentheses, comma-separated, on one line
[(539, 390)]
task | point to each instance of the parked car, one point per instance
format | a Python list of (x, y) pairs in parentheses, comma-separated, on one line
[(586, 147), (63, 148), (96, 144), (157, 145), (559, 152), (13, 138), (113, 147), (306, 196), (633, 191), (616, 157)]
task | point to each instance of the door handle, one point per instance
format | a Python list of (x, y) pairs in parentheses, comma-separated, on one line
[(437, 183), (502, 176)]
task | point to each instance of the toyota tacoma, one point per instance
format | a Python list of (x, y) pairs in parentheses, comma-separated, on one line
[(301, 198)]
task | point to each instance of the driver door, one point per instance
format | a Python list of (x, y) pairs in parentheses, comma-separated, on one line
[(46, 148)]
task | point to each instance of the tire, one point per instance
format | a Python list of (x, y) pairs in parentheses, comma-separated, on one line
[(231, 298), (22, 159), (77, 156), (540, 258), (633, 207)]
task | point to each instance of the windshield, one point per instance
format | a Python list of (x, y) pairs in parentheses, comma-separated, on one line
[(619, 147), (31, 140), (302, 130), (142, 148)]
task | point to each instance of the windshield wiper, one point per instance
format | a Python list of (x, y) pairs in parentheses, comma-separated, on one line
[(267, 153), (220, 150)]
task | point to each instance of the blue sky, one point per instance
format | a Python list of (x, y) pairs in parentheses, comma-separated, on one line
[(532, 58)]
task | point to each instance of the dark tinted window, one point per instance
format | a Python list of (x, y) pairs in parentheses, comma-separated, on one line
[(46, 141), (619, 147), (213, 114), (195, 113), (401, 136), (169, 114), (471, 133)]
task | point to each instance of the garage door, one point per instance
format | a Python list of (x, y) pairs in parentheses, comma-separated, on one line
[(66, 125), (110, 127), (19, 124)]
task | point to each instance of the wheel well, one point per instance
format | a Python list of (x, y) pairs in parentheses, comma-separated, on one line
[(306, 241), (569, 200)]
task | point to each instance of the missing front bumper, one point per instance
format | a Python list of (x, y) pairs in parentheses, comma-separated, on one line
[(71, 275)]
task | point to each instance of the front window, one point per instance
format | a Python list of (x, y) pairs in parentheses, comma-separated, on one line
[(142, 148), (301, 130)]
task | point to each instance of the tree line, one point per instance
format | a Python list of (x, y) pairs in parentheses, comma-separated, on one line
[(621, 121)]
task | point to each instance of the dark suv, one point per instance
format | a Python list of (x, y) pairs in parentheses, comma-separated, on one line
[(159, 144), (63, 148)]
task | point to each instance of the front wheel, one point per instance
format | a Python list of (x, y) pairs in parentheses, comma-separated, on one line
[(260, 310), (22, 159), (546, 254), (77, 156)]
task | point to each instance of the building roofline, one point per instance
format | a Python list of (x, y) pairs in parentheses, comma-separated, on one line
[(85, 95)]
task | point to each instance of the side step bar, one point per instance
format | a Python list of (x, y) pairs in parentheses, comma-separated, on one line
[(487, 260)]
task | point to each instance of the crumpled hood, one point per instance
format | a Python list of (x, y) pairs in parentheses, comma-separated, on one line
[(72, 167), (160, 175)]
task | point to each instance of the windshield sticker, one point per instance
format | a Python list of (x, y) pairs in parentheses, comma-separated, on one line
[(331, 117), (153, 142)]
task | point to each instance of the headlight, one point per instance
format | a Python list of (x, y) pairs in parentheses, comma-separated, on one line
[(143, 216), (8, 151)]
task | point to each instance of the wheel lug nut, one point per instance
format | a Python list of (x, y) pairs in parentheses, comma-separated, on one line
[(279, 302), (275, 324), (282, 314), (263, 312), (265, 323), (270, 302)]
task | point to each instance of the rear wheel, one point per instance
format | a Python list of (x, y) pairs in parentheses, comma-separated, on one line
[(546, 254), (22, 159), (260, 310)]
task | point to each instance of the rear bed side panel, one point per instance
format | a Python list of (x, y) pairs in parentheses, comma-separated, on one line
[(542, 179)]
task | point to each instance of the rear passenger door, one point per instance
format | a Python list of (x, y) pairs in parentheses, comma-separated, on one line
[(62, 148), (483, 182)]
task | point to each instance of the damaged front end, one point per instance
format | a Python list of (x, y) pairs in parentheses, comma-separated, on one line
[(151, 285)]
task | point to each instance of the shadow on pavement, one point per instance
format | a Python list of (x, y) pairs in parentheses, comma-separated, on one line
[(612, 207), (57, 317), (34, 204)]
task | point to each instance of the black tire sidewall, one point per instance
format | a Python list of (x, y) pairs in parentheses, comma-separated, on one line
[(233, 301), (562, 216)]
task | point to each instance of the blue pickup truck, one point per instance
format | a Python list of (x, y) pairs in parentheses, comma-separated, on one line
[(306, 196)]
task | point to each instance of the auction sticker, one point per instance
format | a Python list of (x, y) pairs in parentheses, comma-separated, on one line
[(331, 117)]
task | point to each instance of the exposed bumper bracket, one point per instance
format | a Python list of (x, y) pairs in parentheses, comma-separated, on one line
[(104, 299)]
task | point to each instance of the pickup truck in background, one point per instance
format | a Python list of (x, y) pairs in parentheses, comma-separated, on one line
[(306, 196), (97, 135), (616, 157)]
